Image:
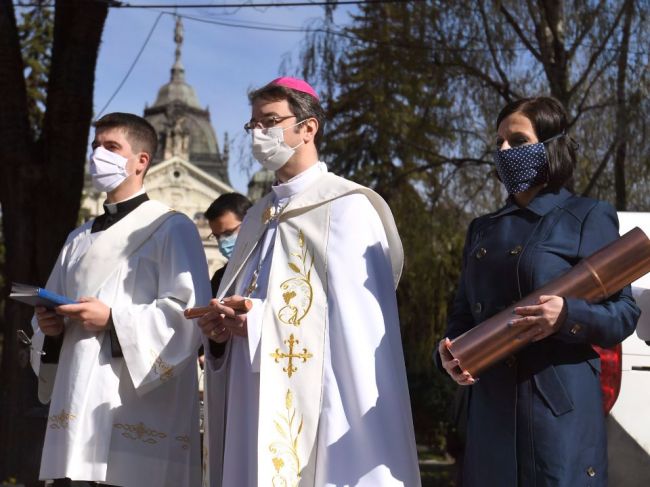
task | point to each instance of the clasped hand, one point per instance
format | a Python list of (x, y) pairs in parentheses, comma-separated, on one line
[(537, 322), (223, 322), (540, 320), (92, 313)]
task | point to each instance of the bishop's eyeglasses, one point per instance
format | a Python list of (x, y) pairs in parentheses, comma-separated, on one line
[(265, 122)]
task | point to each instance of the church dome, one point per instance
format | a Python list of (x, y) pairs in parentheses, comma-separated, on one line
[(177, 90), (183, 126)]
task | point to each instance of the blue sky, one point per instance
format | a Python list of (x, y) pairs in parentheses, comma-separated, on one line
[(221, 63)]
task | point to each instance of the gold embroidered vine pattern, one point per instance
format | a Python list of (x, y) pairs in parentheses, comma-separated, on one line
[(297, 292), (285, 451)]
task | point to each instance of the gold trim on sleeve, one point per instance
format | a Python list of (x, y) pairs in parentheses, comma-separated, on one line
[(162, 368), (61, 420)]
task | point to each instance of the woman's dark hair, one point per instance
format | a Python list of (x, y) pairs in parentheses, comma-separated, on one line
[(234, 202), (549, 118)]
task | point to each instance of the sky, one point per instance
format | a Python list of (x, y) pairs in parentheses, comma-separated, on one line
[(222, 63)]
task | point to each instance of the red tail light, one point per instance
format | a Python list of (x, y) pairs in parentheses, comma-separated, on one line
[(611, 360)]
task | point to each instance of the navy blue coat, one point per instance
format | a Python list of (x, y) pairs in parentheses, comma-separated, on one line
[(536, 419)]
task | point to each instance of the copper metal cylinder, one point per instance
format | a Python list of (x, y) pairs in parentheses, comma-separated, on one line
[(594, 278)]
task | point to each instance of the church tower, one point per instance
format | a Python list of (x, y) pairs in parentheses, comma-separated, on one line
[(183, 126)]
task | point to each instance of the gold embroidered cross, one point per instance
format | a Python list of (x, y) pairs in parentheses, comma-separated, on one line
[(290, 368)]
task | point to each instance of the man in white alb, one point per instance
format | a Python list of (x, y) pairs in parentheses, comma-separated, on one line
[(119, 367), (309, 387)]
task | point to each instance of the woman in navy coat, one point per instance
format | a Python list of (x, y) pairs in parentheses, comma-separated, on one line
[(536, 419)]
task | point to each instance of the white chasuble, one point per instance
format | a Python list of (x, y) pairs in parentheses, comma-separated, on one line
[(132, 420), (316, 395)]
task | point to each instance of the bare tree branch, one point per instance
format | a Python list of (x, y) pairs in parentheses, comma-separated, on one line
[(520, 33), (596, 54), (599, 169), (580, 109), (488, 37), (587, 27)]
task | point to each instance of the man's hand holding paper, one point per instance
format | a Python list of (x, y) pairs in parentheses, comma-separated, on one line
[(50, 323)]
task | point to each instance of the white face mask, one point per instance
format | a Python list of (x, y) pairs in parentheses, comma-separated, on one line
[(107, 169), (270, 149)]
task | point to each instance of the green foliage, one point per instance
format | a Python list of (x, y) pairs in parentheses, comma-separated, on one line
[(433, 240), (387, 118), (412, 91), (36, 31)]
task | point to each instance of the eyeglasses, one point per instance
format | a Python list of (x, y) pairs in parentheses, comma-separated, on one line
[(226, 233), (265, 122)]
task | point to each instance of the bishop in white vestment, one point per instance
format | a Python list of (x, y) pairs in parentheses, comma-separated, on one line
[(124, 400), (314, 392)]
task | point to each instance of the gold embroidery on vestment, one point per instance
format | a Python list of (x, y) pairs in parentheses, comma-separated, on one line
[(140, 432), (278, 355), (297, 292), (285, 451), (162, 368), (61, 420)]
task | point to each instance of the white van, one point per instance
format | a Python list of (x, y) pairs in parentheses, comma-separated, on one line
[(628, 424)]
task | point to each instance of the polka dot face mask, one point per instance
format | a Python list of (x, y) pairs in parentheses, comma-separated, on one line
[(523, 167)]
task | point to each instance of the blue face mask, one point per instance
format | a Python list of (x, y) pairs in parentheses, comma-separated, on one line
[(226, 244), (523, 167)]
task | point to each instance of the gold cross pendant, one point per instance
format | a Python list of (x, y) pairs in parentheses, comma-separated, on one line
[(268, 214), (253, 284)]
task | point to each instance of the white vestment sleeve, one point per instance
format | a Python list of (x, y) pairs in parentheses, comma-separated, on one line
[(46, 372), (155, 337), (367, 436)]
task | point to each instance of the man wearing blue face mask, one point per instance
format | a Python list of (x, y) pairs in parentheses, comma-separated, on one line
[(225, 216)]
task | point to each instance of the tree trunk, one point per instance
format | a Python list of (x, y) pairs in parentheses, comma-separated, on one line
[(40, 194), (622, 121)]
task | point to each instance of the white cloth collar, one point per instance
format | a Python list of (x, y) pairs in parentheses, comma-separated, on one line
[(299, 182)]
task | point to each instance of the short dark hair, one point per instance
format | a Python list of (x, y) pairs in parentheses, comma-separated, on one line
[(548, 118), (140, 133), (234, 202), (302, 105)]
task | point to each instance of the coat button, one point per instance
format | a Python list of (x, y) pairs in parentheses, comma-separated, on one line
[(575, 329), (591, 472), (478, 307), (480, 253), (516, 250)]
